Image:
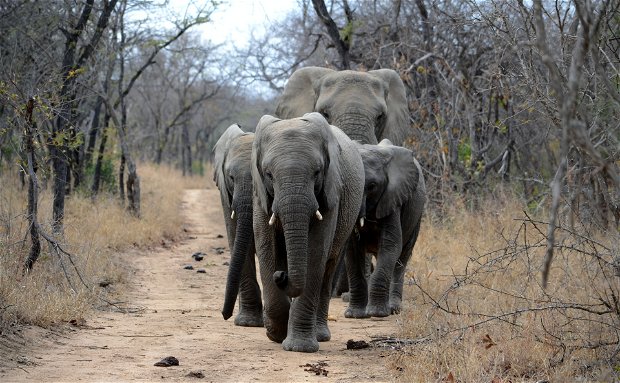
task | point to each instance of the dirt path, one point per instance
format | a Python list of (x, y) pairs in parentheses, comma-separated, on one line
[(176, 312)]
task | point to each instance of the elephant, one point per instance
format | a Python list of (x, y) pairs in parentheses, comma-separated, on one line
[(308, 179), (367, 106), (389, 224), (231, 160)]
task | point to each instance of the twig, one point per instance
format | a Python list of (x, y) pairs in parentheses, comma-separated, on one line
[(145, 336)]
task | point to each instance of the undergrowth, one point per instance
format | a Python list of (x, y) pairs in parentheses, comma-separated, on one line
[(66, 285), (476, 310)]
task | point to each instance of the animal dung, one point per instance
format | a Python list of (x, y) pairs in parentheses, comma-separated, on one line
[(198, 256)]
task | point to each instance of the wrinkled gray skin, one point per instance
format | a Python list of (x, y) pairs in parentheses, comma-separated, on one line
[(232, 175), (367, 106), (394, 199), (301, 166)]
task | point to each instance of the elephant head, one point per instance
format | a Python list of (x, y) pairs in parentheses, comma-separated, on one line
[(232, 175), (391, 178), (296, 175), (367, 106)]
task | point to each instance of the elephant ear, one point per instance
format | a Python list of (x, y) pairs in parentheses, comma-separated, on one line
[(220, 151), (397, 122), (300, 92), (332, 181), (402, 176), (257, 173)]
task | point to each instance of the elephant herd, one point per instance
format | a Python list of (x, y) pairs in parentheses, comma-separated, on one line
[(311, 187)]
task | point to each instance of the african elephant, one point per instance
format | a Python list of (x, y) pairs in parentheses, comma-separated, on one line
[(308, 182), (367, 106), (232, 175), (394, 199)]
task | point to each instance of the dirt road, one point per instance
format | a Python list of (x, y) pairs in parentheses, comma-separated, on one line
[(176, 312)]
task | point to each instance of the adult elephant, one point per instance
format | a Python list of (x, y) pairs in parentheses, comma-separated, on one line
[(231, 160), (367, 106), (391, 212), (308, 182)]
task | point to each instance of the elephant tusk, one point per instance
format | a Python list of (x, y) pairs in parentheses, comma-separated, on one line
[(272, 219), (319, 216), (362, 222), (232, 216)]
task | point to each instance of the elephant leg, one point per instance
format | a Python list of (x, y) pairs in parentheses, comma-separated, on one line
[(340, 280), (322, 330), (271, 257), (398, 277), (358, 287), (250, 302), (390, 248)]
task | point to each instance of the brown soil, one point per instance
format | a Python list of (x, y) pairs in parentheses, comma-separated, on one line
[(170, 311)]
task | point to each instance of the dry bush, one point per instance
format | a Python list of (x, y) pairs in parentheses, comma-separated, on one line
[(477, 310), (63, 287)]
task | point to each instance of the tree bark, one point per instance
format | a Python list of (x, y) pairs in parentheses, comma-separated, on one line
[(33, 190), (334, 33), (97, 173)]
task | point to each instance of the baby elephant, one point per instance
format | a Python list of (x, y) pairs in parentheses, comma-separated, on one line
[(394, 199), (232, 175)]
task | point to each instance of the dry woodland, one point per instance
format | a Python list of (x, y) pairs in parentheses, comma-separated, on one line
[(108, 117)]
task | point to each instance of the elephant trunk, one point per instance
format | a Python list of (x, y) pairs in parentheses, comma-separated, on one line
[(358, 126), (296, 213), (241, 249)]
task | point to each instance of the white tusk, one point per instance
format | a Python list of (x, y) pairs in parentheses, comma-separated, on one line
[(232, 216), (362, 222), (319, 216), (272, 219)]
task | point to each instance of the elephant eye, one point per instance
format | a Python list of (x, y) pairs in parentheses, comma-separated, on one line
[(269, 175), (325, 114), (381, 117), (372, 186)]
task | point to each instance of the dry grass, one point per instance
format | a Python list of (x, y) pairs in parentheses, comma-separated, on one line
[(477, 313), (95, 232)]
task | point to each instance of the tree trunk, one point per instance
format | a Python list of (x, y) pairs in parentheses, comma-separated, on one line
[(187, 151), (97, 174), (94, 131), (342, 46), (33, 190), (121, 179)]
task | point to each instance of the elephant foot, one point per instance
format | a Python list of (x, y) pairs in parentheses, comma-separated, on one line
[(395, 307), (355, 312), (275, 331), (378, 311), (249, 319), (300, 344), (322, 333)]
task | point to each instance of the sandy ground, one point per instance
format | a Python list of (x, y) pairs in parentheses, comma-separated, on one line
[(170, 311)]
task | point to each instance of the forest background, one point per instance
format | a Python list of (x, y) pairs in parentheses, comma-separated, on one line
[(512, 103)]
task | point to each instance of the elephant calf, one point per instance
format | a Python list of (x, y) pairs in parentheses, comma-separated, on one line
[(232, 175), (308, 183), (394, 199)]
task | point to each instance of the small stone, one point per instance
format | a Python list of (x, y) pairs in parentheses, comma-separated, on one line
[(188, 267), (201, 271), (226, 264), (219, 236), (167, 362)]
